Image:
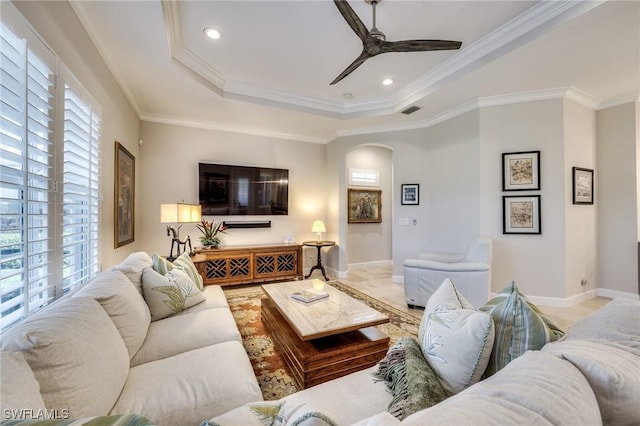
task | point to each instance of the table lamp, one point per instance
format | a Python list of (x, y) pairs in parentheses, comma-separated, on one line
[(318, 228), (179, 213)]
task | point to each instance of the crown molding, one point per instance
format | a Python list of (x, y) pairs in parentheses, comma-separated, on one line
[(533, 22)]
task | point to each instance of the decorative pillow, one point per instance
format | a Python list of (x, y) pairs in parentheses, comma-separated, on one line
[(520, 326), (612, 373), (411, 380), (272, 413), (161, 265), (170, 294), (124, 305), (184, 263)]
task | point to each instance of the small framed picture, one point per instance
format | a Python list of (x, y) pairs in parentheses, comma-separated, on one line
[(364, 206), (521, 171), (410, 194), (582, 186), (124, 196), (521, 214)]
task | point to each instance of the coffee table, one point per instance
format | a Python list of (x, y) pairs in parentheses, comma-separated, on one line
[(325, 339)]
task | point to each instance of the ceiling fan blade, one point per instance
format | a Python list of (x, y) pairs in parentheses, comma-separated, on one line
[(418, 45), (352, 19), (355, 64)]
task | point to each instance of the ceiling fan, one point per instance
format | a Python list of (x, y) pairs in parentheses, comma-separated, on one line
[(374, 42)]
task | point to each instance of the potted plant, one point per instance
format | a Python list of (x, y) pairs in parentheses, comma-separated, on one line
[(210, 231)]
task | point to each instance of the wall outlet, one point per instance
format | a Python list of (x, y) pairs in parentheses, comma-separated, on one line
[(583, 282)]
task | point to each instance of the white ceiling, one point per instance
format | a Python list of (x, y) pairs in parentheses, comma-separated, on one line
[(270, 72)]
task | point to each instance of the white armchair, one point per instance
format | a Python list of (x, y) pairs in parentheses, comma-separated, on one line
[(470, 274)]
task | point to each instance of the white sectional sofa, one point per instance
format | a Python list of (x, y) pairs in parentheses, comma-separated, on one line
[(97, 353)]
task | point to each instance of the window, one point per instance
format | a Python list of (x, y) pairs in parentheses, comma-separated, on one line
[(40, 260)]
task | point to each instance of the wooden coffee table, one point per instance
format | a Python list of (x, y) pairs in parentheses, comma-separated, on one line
[(325, 339)]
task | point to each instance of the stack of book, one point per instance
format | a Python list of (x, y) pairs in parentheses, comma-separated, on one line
[(309, 295)]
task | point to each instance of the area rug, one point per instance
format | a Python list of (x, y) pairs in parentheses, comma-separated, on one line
[(268, 365)]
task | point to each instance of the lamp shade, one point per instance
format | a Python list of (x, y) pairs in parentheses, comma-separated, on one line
[(318, 226), (180, 213)]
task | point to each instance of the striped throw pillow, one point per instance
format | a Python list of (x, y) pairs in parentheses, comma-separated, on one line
[(185, 263), (520, 326), (161, 265)]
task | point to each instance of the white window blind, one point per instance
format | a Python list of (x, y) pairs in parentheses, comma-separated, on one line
[(26, 129), (49, 181), (81, 165)]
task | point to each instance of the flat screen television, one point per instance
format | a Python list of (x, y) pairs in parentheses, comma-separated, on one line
[(240, 190)]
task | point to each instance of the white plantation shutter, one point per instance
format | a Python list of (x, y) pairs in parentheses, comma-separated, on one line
[(81, 167), (49, 174), (26, 131)]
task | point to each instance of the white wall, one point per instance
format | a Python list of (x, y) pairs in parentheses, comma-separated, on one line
[(169, 173), (58, 25), (371, 242), (616, 198)]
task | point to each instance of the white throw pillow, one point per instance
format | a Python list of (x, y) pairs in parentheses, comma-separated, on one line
[(169, 294), (456, 341)]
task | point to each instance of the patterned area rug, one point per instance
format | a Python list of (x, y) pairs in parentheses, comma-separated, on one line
[(268, 365)]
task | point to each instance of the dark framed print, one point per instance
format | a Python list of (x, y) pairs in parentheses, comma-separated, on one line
[(124, 196), (521, 214), (364, 205), (521, 171), (410, 194), (582, 186)]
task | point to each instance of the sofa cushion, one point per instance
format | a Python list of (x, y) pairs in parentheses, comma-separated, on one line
[(160, 264), (185, 263), (616, 322), (20, 389), (214, 298), (182, 333), (380, 419), (612, 373), (410, 379), (278, 413), (356, 392), (75, 353), (169, 294), (186, 389), (520, 326), (133, 266), (124, 305), (115, 420), (535, 389), (455, 341)]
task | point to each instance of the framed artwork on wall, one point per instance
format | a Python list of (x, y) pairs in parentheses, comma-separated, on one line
[(521, 214), (124, 196), (365, 206), (410, 194), (521, 171), (582, 186)]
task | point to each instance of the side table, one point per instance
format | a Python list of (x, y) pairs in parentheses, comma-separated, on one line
[(318, 265)]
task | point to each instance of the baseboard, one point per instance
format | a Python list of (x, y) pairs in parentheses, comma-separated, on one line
[(563, 302), (398, 279), (374, 263)]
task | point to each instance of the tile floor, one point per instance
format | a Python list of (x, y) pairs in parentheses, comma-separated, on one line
[(376, 281)]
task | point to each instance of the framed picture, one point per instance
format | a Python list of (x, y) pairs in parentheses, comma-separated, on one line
[(521, 214), (582, 186), (410, 194), (124, 198), (521, 171), (364, 206)]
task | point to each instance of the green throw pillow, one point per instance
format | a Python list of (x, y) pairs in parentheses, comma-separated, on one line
[(520, 326), (411, 380), (185, 263), (169, 294), (161, 265)]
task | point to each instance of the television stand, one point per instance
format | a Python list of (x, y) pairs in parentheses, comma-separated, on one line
[(247, 264)]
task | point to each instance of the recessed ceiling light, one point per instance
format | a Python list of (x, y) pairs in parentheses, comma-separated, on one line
[(347, 95), (212, 33), (387, 81)]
